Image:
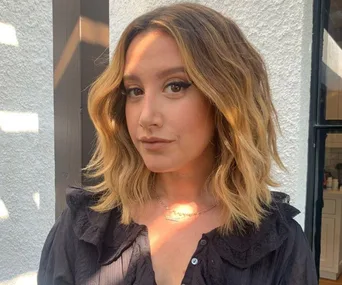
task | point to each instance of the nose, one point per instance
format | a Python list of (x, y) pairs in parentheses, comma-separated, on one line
[(150, 114)]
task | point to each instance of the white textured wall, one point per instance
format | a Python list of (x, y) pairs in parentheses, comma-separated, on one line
[(281, 31), (26, 143)]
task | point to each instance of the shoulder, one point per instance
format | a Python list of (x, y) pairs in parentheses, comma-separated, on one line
[(78, 219), (86, 224), (276, 229), (283, 214), (294, 253), (77, 222), (280, 222), (73, 220)]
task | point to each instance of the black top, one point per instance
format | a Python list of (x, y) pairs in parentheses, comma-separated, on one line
[(86, 247)]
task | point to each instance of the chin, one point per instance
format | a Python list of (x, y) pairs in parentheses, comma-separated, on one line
[(158, 167)]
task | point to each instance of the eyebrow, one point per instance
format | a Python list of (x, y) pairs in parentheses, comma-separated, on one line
[(160, 74)]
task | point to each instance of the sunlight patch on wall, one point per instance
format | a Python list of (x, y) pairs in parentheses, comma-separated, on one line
[(3, 211), (28, 278), (15, 122), (85, 30), (332, 54), (36, 199), (8, 35)]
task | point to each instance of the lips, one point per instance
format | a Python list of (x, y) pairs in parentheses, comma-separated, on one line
[(154, 143), (154, 140)]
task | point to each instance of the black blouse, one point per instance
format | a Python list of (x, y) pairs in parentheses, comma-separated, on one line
[(88, 248)]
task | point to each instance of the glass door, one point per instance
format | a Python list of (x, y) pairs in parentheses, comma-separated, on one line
[(324, 207)]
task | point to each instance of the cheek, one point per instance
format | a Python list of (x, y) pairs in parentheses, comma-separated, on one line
[(131, 121), (196, 124)]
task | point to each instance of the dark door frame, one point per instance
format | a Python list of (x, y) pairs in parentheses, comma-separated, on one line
[(80, 44), (318, 130)]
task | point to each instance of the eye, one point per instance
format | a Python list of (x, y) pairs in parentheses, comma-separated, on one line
[(133, 92), (176, 87)]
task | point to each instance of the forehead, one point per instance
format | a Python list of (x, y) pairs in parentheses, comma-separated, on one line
[(152, 50)]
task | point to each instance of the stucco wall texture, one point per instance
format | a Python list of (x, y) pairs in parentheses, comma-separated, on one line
[(281, 31), (27, 190)]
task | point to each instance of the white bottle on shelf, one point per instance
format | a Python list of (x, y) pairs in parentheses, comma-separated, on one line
[(329, 183)]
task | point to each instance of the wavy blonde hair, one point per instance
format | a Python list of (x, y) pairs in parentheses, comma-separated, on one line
[(225, 67)]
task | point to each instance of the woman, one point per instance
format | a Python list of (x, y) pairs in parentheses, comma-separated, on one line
[(186, 135)]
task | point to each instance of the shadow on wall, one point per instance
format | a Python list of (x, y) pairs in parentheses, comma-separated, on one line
[(26, 149)]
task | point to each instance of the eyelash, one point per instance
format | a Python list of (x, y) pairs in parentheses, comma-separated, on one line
[(183, 85)]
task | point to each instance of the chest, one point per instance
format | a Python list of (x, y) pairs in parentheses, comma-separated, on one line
[(173, 246), (164, 272), (164, 263), (172, 253)]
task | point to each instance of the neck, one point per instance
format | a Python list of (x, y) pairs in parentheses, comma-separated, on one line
[(186, 186), (178, 189)]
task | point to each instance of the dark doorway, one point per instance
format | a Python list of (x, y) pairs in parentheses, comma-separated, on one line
[(323, 212), (81, 39)]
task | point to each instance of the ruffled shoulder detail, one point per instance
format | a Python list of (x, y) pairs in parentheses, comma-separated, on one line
[(88, 225), (245, 250), (103, 230)]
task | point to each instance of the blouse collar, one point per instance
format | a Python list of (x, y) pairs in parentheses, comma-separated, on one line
[(111, 238)]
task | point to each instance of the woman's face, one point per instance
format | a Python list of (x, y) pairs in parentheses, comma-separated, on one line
[(170, 122)]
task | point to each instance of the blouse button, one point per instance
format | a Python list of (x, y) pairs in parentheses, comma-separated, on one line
[(194, 261), (203, 242)]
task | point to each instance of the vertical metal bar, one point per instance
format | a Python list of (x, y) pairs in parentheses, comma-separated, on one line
[(94, 59), (318, 191), (314, 89), (67, 97)]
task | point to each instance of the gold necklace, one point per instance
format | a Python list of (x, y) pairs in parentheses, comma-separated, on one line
[(176, 216)]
